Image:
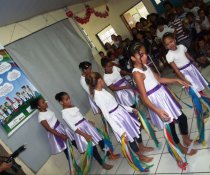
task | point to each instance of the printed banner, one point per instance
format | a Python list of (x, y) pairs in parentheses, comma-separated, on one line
[(16, 92)]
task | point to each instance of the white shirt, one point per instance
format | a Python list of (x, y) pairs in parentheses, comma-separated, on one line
[(49, 116), (165, 30), (150, 81), (205, 24), (72, 116), (178, 56), (84, 84), (106, 102), (113, 77)]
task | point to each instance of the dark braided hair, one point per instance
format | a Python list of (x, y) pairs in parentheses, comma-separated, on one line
[(59, 96)]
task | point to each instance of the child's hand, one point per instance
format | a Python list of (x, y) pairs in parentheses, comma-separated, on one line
[(127, 86), (126, 138), (183, 83), (163, 115), (135, 111), (64, 137), (92, 123), (88, 137)]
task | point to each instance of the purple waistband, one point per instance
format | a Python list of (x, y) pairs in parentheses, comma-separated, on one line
[(185, 66), (80, 122), (119, 82), (154, 89), (56, 124), (114, 109)]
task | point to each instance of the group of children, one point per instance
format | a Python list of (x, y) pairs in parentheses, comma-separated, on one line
[(190, 24), (119, 110)]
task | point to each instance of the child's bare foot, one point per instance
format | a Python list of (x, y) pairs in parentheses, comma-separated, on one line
[(107, 166), (144, 148), (114, 156), (187, 141), (185, 150), (145, 158)]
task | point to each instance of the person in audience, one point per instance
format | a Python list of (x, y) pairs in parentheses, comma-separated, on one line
[(191, 7), (181, 14), (169, 8), (193, 25), (163, 108), (141, 37), (84, 131), (162, 29), (181, 36), (121, 122), (101, 53), (116, 43), (182, 63), (139, 27), (204, 20), (203, 52)]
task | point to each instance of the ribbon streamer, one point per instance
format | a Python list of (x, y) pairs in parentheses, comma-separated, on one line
[(131, 158), (201, 107), (174, 149), (84, 168), (147, 127)]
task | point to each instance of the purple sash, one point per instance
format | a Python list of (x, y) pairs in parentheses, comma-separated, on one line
[(185, 66), (80, 122), (114, 109), (167, 90), (59, 140), (123, 80)]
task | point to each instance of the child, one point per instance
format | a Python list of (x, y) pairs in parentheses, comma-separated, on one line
[(57, 133), (116, 115), (180, 61), (86, 68), (162, 106), (83, 130), (123, 90), (204, 20)]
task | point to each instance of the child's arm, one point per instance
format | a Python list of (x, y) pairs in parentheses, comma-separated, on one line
[(139, 79), (115, 88), (189, 57), (86, 136), (123, 72), (53, 131), (170, 80), (178, 73)]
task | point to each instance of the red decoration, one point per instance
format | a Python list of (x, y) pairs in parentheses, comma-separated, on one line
[(88, 12)]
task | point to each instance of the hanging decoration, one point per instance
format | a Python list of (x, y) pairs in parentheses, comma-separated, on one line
[(88, 12)]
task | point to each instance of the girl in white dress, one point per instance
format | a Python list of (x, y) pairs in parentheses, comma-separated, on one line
[(182, 63), (83, 130), (160, 102), (57, 133), (121, 122)]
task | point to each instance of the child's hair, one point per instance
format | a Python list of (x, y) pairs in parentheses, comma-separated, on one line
[(84, 65), (133, 49), (59, 96), (161, 22), (104, 62), (167, 35), (35, 103), (92, 80), (190, 14), (100, 52)]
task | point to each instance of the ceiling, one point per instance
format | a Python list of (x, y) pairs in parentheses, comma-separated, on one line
[(12, 11)]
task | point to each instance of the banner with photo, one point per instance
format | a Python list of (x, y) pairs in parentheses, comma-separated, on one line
[(16, 92)]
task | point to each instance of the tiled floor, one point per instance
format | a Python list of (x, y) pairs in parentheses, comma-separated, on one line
[(198, 164)]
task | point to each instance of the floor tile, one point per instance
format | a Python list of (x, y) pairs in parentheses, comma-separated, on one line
[(156, 150), (116, 164), (125, 168), (168, 165), (155, 164), (199, 162)]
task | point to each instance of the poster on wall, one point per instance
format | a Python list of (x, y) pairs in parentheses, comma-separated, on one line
[(16, 93)]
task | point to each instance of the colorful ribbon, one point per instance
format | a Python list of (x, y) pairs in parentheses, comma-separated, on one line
[(131, 158), (84, 168), (174, 149), (201, 107), (147, 127)]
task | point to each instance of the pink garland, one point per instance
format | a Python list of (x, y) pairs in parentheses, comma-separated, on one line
[(89, 11)]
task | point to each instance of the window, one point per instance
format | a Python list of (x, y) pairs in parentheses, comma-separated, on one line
[(105, 35), (133, 15)]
